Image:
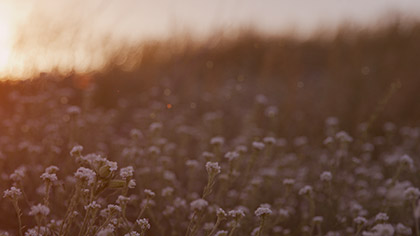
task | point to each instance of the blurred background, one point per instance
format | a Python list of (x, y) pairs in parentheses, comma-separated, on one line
[(356, 60), (45, 35)]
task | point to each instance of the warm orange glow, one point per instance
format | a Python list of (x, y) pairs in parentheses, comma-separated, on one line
[(5, 38), (68, 36)]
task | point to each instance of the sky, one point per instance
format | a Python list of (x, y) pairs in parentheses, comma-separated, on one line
[(38, 35)]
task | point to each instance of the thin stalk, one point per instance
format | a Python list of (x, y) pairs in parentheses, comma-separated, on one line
[(261, 226), (19, 215), (235, 225), (215, 226)]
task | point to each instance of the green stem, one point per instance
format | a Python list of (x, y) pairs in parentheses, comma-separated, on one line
[(140, 214), (19, 215), (233, 229), (190, 225), (261, 226), (47, 193), (215, 227), (85, 221)]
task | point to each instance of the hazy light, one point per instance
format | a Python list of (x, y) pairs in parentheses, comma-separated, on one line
[(5, 37), (66, 35)]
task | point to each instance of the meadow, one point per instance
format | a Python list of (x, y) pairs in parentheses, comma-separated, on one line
[(246, 135)]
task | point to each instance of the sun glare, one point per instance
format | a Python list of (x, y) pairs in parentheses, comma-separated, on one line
[(5, 45)]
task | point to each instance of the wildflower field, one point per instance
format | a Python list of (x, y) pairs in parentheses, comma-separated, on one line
[(252, 136)]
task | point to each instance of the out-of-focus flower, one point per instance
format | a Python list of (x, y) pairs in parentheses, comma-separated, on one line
[(326, 176), (85, 175), (198, 205), (231, 156), (12, 193), (306, 190), (263, 211), (127, 172), (39, 210), (143, 223), (411, 194), (213, 168), (258, 146), (76, 151)]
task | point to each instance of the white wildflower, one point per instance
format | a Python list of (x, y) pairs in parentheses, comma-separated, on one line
[(149, 193), (85, 175), (132, 183), (289, 182), (318, 219), (155, 127), (122, 200), (49, 177), (343, 137), (326, 176), (221, 213), (12, 193), (231, 156), (198, 205), (263, 211), (143, 223), (52, 169), (93, 205), (236, 214), (107, 231), (381, 217), (269, 140), (127, 172), (406, 160), (168, 191), (208, 226), (221, 233), (168, 210), (136, 134), (403, 230), (112, 165), (192, 163), (383, 230), (411, 194), (328, 140), (283, 213), (39, 210), (218, 141), (258, 145), (213, 168), (306, 190), (74, 110), (132, 233), (18, 174), (76, 151), (360, 220)]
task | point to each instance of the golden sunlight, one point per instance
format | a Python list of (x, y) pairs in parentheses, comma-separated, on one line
[(81, 36), (5, 40)]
